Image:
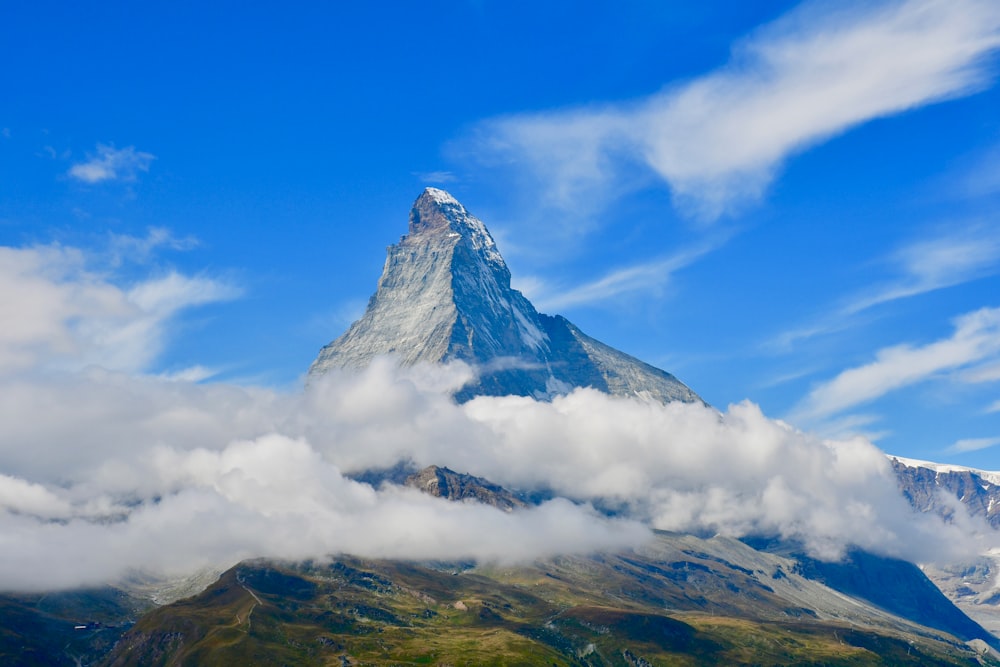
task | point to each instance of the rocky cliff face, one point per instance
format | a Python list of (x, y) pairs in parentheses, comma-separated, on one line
[(926, 485), (445, 295), (446, 483)]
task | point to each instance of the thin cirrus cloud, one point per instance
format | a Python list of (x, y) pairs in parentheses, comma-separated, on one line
[(975, 341), (112, 164), (125, 248), (436, 176), (643, 277), (720, 139), (960, 256), (982, 178), (973, 445)]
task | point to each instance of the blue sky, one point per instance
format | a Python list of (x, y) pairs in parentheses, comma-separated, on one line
[(789, 203)]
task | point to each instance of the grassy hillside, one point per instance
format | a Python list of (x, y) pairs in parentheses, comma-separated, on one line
[(625, 610)]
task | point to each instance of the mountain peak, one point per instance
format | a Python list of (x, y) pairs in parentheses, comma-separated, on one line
[(439, 196), (434, 210), (445, 295)]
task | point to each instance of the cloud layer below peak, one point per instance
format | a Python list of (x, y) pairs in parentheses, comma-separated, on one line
[(105, 469), (105, 473)]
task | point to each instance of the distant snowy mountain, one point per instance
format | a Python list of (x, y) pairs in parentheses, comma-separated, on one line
[(445, 295), (923, 482)]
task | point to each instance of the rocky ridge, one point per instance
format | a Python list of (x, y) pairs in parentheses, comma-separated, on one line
[(446, 483)]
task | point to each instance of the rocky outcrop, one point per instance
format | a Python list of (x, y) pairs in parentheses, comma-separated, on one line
[(446, 483)]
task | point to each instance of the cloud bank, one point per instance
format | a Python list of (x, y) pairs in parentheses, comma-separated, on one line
[(719, 139), (106, 469), (105, 473)]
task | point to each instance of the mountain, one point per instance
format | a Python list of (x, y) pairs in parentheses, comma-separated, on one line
[(974, 586), (445, 295), (678, 600), (446, 483), (923, 482)]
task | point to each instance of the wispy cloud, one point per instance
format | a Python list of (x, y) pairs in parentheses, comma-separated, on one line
[(852, 426), (643, 277), (976, 338), (960, 256), (994, 407), (127, 248), (719, 140), (112, 164), (982, 178), (989, 372), (436, 176), (973, 445)]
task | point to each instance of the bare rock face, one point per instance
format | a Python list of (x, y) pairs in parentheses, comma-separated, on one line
[(446, 483), (922, 483), (445, 295)]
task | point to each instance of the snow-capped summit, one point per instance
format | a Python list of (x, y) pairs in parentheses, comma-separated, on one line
[(445, 294)]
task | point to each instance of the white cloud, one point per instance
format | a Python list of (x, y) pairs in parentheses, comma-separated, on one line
[(106, 473), (989, 372), (642, 277), (103, 472), (961, 255), (138, 249), (994, 407), (976, 337), (973, 445), (982, 179), (112, 164), (62, 314), (436, 176), (720, 139)]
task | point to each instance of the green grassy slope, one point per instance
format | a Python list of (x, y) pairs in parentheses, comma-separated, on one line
[(614, 610)]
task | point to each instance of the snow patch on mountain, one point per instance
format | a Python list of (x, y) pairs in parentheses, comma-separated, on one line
[(993, 477)]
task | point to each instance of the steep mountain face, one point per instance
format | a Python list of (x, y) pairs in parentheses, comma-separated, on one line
[(926, 485), (445, 295), (974, 586)]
